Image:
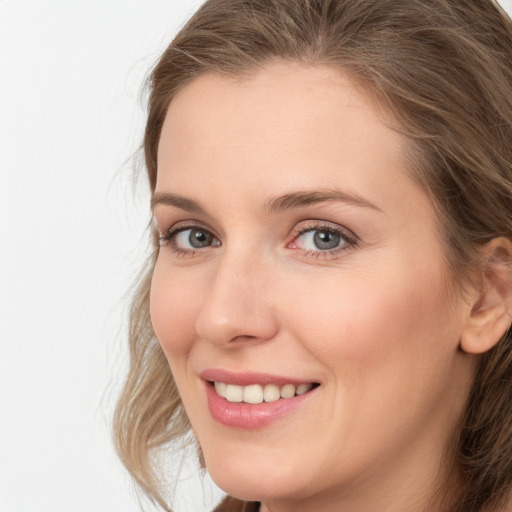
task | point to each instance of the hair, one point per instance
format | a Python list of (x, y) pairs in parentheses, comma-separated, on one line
[(443, 70)]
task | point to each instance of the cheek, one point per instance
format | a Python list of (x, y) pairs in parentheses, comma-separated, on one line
[(356, 323), (174, 307), (385, 340)]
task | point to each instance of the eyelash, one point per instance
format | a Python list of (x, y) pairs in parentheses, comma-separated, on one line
[(170, 238), (347, 239)]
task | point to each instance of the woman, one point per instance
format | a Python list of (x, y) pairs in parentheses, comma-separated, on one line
[(328, 306)]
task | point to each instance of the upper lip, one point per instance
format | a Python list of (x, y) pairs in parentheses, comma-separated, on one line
[(248, 378)]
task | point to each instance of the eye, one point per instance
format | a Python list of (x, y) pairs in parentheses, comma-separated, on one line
[(320, 238), (187, 240), (193, 238)]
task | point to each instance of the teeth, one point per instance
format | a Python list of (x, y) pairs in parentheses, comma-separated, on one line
[(271, 393), (256, 393), (288, 391), (234, 393), (302, 388), (220, 387), (253, 394)]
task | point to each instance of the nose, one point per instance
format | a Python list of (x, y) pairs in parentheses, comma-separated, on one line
[(238, 304)]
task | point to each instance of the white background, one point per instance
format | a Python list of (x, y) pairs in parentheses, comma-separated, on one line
[(72, 237)]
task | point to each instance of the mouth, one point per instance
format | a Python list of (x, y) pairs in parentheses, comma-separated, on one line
[(259, 393), (250, 400)]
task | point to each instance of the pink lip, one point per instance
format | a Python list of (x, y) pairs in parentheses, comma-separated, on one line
[(248, 378), (249, 416)]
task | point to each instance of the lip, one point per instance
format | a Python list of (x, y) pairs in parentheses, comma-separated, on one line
[(250, 416), (248, 378)]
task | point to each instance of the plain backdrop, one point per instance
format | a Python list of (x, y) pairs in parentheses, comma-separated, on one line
[(72, 237)]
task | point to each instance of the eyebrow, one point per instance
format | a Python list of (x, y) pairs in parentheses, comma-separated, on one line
[(184, 203), (306, 198), (276, 204)]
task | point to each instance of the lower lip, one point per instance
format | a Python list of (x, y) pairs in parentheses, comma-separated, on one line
[(251, 416)]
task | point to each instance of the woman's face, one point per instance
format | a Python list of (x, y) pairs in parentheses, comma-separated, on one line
[(298, 258)]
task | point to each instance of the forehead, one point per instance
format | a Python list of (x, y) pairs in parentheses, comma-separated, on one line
[(285, 107), (286, 127)]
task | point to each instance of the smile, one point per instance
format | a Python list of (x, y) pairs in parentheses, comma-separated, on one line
[(253, 400), (259, 393)]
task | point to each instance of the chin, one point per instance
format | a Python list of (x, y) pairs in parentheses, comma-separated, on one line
[(242, 478)]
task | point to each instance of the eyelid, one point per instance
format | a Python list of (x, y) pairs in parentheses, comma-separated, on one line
[(315, 224), (350, 239), (185, 224), (169, 236)]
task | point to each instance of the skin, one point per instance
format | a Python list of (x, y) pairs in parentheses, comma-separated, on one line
[(375, 322)]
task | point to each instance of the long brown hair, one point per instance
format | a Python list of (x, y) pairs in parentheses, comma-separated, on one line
[(443, 70)]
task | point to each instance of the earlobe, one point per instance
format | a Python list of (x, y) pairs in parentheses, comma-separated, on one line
[(491, 308)]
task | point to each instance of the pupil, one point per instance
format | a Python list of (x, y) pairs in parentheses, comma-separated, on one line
[(199, 239), (326, 240)]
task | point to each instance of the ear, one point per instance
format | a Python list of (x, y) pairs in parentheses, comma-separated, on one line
[(491, 300)]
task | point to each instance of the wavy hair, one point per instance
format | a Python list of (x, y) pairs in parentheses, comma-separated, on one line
[(443, 70)]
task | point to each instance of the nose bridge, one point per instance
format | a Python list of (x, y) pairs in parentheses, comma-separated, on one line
[(237, 304)]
